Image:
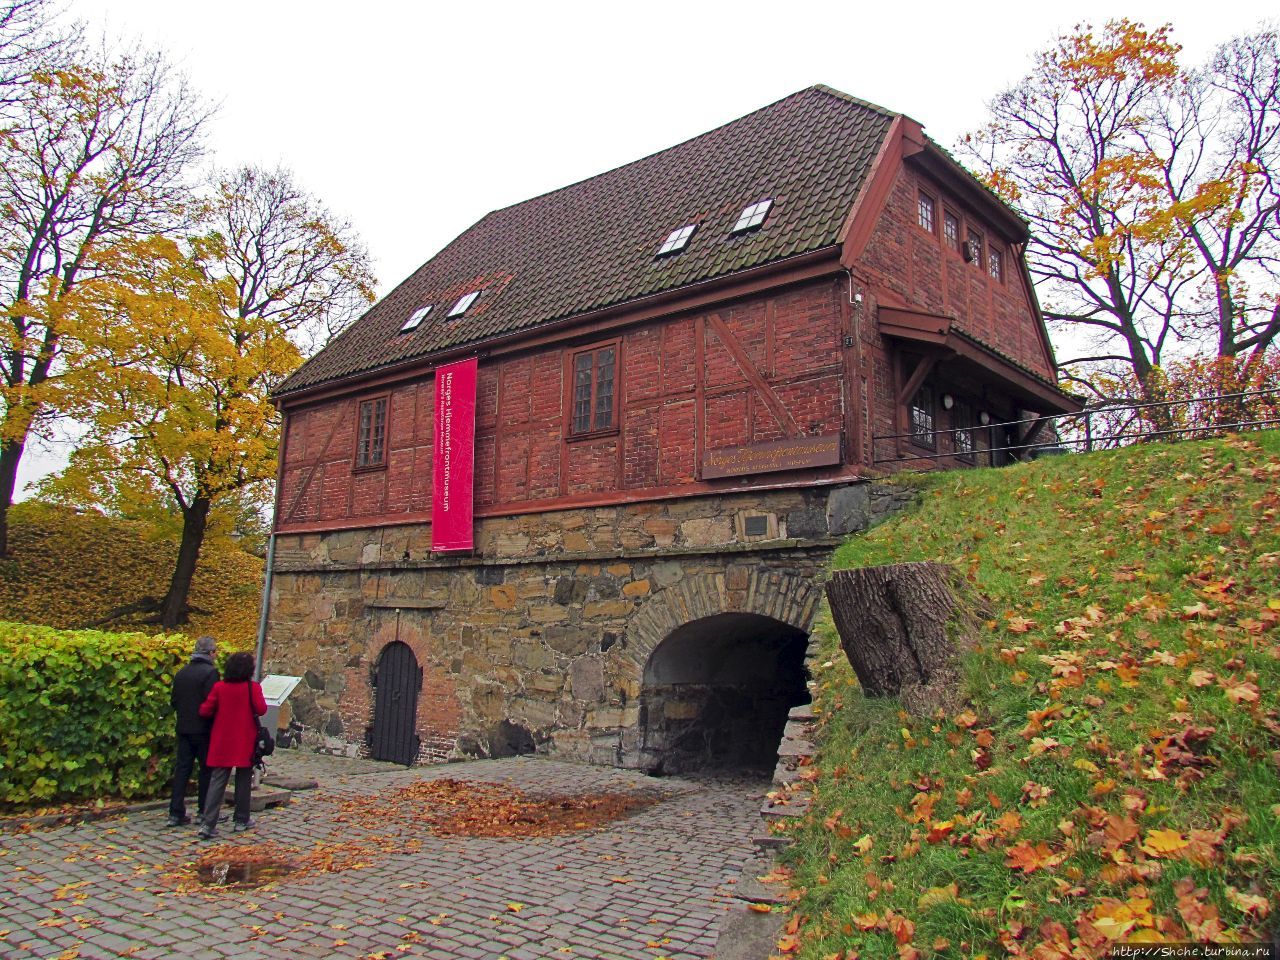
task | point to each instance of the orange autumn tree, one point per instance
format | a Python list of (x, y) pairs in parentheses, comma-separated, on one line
[(1152, 195)]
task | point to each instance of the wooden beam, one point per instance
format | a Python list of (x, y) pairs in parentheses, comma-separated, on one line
[(922, 370), (771, 399)]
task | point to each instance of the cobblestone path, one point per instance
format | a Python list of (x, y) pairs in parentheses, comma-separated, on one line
[(650, 885)]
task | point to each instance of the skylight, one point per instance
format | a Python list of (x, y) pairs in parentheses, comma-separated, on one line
[(416, 319), (461, 307), (677, 239), (753, 216)]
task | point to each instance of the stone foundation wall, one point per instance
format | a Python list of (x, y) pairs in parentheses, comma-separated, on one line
[(541, 638)]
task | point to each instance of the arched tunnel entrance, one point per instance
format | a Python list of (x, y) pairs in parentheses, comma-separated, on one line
[(717, 691)]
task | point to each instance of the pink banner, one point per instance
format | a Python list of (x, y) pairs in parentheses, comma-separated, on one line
[(452, 467)]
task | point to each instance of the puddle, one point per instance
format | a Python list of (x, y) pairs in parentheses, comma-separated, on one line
[(242, 873)]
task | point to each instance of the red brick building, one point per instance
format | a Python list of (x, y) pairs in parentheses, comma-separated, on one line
[(689, 369)]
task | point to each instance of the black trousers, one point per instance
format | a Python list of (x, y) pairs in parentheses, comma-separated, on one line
[(192, 748), (218, 791)]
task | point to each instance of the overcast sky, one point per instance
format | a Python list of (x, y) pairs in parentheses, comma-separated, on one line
[(413, 120)]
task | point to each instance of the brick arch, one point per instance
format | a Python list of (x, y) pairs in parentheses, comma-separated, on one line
[(782, 596)]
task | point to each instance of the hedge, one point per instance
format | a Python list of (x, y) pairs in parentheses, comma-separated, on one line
[(84, 713)]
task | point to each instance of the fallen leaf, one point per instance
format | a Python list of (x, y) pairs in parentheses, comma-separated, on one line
[(1163, 843)]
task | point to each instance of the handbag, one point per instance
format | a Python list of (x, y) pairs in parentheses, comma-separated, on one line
[(263, 743)]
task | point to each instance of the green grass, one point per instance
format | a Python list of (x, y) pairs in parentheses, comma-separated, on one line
[(1111, 578)]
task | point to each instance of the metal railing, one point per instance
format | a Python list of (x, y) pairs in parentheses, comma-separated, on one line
[(1102, 426)]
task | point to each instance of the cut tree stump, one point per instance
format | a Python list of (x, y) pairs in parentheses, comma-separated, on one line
[(901, 626)]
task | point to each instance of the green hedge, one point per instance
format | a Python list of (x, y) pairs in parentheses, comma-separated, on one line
[(83, 713)]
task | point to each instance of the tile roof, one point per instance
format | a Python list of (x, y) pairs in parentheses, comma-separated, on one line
[(594, 244)]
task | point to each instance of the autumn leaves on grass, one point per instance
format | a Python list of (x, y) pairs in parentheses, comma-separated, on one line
[(1114, 776)]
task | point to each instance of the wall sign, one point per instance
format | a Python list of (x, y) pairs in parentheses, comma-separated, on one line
[(453, 461), (797, 454)]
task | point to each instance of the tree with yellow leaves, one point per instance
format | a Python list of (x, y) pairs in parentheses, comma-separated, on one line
[(94, 150), (1152, 195), (185, 338)]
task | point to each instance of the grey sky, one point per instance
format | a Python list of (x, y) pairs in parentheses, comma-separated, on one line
[(415, 119)]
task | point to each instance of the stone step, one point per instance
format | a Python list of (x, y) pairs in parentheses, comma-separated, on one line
[(798, 730), (802, 712), (288, 783), (746, 934), (796, 805), (765, 839), (754, 890), (796, 747), (786, 774), (264, 798)]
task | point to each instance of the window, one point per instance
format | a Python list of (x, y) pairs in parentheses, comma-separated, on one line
[(753, 216), (677, 240), (371, 441), (973, 247), (926, 212), (463, 304), (922, 418), (593, 394), (995, 264), (416, 319), (962, 439), (951, 230)]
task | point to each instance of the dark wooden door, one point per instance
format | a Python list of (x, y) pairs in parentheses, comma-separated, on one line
[(395, 705)]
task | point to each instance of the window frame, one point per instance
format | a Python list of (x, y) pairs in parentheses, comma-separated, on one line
[(416, 318), (974, 235), (995, 256), (571, 363), (357, 466), (923, 197), (752, 217), (918, 439), (463, 304), (964, 421), (952, 243), (677, 240)]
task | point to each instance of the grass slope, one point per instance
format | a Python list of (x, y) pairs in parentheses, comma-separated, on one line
[(1114, 775), (70, 569)]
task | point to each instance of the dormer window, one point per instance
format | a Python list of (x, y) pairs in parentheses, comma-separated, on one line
[(463, 304), (677, 240), (416, 319), (752, 217)]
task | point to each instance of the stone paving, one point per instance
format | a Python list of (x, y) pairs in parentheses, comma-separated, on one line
[(654, 884)]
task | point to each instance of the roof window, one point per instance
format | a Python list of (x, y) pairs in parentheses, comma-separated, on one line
[(753, 216), (416, 319), (463, 304), (677, 240)]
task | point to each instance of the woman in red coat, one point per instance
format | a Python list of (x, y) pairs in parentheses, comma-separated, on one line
[(234, 703)]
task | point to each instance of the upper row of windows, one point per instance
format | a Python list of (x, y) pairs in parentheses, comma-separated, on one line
[(750, 218), (973, 246)]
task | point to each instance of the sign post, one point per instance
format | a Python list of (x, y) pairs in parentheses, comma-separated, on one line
[(453, 462)]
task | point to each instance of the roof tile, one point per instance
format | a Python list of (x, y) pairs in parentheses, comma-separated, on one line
[(594, 244)]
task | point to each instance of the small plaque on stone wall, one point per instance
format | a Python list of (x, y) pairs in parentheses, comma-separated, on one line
[(798, 454)]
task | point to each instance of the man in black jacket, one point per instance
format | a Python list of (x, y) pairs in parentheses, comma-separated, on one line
[(190, 687)]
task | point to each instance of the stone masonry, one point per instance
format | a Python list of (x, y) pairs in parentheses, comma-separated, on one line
[(540, 638)]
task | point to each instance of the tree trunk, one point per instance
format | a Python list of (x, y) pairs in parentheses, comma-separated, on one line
[(900, 626), (10, 457), (174, 608)]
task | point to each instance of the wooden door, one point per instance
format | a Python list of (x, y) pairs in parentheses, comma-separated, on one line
[(395, 705)]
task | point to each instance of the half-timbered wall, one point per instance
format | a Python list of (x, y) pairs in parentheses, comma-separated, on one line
[(923, 270), (749, 372)]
